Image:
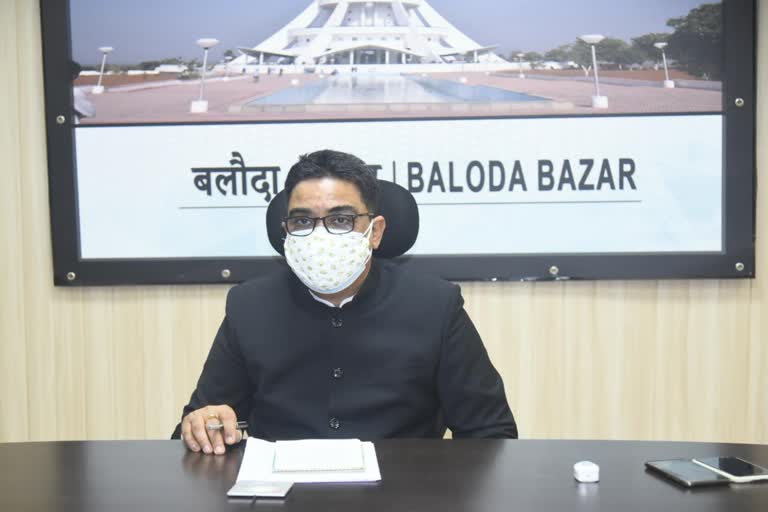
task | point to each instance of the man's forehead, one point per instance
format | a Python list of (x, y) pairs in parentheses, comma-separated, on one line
[(325, 193)]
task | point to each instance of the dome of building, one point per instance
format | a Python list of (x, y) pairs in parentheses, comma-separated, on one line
[(361, 32)]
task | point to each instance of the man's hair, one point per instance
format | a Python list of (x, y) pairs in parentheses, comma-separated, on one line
[(335, 164)]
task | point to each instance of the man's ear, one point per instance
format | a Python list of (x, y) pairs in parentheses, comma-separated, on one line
[(377, 232)]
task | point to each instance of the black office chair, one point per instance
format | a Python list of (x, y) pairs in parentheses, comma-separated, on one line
[(396, 205)]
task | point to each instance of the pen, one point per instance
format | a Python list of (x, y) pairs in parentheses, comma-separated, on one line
[(240, 425)]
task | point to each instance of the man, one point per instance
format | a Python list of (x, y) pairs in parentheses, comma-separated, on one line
[(340, 345)]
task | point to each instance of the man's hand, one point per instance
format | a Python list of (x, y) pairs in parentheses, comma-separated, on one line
[(198, 437)]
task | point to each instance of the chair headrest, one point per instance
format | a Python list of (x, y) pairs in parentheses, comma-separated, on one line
[(396, 205)]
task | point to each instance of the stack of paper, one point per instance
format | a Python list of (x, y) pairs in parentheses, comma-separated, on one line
[(311, 460), (319, 455)]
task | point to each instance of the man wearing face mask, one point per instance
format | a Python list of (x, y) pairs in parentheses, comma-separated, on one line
[(340, 345)]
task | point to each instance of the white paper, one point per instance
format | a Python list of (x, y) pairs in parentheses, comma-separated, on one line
[(247, 489), (258, 465), (319, 455)]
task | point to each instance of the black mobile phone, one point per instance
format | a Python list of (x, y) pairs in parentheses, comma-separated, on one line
[(739, 470), (686, 473)]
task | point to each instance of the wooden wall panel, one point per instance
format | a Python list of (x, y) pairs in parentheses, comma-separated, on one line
[(616, 360), (13, 335)]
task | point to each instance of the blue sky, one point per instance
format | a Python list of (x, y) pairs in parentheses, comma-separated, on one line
[(153, 29)]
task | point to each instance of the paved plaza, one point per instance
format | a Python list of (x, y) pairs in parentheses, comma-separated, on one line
[(232, 100)]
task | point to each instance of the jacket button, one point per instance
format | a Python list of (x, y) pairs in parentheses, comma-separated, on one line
[(336, 322), (338, 373), (334, 423)]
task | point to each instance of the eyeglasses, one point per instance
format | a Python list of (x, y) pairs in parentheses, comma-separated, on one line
[(336, 224)]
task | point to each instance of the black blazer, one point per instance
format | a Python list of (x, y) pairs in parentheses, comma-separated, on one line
[(402, 359)]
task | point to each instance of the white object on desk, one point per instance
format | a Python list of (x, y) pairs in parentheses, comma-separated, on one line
[(259, 464), (318, 455), (247, 489), (586, 472)]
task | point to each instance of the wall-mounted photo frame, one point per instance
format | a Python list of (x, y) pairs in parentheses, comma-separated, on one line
[(586, 139)]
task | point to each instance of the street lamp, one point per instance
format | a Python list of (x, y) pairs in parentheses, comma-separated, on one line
[(227, 60), (668, 84), (199, 106), (105, 50), (598, 101), (520, 64)]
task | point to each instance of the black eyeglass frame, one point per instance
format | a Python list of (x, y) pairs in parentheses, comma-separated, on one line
[(315, 220)]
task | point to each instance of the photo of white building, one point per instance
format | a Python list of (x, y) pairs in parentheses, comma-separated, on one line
[(264, 60), (363, 32)]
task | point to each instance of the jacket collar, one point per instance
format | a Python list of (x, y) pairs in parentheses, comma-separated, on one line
[(301, 293)]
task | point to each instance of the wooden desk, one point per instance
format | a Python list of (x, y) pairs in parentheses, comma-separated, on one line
[(418, 475)]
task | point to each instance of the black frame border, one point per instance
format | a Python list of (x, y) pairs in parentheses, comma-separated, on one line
[(736, 261)]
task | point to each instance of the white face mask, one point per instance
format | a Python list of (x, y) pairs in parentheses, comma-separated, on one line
[(328, 263)]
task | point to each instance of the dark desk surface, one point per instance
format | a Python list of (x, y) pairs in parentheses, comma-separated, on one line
[(440, 476)]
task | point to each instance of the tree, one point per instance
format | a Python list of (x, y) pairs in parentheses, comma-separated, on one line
[(611, 51), (643, 45), (172, 60), (560, 54), (533, 57), (581, 54), (696, 43), (619, 53), (149, 65)]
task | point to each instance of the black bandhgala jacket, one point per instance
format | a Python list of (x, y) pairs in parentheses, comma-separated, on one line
[(402, 359)]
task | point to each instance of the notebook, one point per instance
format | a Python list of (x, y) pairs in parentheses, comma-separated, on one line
[(259, 462), (318, 455)]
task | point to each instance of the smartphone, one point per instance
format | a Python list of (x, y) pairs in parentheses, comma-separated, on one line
[(735, 469), (686, 473)]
